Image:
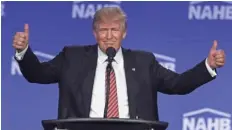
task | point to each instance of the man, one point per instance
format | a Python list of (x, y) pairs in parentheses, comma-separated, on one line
[(136, 76)]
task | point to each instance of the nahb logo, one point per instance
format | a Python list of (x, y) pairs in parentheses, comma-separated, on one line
[(199, 10), (86, 10), (166, 61), (15, 70), (206, 119)]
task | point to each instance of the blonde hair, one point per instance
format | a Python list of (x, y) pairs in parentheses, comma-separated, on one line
[(109, 14)]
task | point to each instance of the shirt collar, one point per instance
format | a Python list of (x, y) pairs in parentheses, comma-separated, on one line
[(102, 57)]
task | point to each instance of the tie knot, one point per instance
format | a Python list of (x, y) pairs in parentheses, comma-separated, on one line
[(109, 60)]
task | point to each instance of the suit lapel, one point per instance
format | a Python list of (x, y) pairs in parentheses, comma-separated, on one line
[(132, 84), (90, 67)]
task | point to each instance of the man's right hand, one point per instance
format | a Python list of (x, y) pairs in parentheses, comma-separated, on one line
[(21, 39)]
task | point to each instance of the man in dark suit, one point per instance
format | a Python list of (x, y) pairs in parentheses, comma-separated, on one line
[(136, 76)]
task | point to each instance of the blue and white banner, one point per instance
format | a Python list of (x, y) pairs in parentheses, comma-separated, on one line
[(180, 34)]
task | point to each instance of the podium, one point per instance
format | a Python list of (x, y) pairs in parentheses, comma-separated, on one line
[(103, 124)]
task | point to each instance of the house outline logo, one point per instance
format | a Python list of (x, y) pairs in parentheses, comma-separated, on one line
[(218, 120), (166, 61), (43, 55), (164, 57), (86, 10), (205, 110), (206, 10), (198, 2), (15, 70)]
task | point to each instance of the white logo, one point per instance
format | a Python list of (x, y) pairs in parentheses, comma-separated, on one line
[(84, 10), (15, 70), (166, 61), (198, 11), (216, 121), (3, 9)]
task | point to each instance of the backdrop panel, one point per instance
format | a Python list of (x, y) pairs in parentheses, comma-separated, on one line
[(180, 34)]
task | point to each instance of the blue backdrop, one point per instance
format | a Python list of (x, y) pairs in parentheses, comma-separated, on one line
[(180, 34)]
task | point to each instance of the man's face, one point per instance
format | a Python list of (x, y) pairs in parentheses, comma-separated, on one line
[(109, 34)]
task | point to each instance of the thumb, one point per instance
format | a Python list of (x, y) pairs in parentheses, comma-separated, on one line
[(26, 30), (214, 47)]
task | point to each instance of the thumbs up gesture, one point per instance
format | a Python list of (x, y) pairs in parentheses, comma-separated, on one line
[(20, 41), (216, 58)]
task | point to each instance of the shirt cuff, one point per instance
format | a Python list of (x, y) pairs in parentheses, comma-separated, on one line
[(19, 55), (211, 71)]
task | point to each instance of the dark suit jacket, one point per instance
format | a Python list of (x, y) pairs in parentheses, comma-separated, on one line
[(74, 70)]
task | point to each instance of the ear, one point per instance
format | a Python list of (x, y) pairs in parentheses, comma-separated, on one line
[(95, 33), (124, 35)]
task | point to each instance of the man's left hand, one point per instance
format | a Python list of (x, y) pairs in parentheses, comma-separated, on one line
[(216, 58)]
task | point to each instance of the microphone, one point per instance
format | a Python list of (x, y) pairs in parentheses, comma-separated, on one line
[(111, 52)]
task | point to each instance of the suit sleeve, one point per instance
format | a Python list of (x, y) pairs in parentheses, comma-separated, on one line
[(170, 82), (41, 72)]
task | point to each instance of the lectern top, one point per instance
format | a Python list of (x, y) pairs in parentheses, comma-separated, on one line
[(103, 122)]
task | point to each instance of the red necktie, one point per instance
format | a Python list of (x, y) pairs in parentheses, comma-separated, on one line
[(112, 111)]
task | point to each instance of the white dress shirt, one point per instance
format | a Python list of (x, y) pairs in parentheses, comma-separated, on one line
[(98, 97), (98, 94)]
